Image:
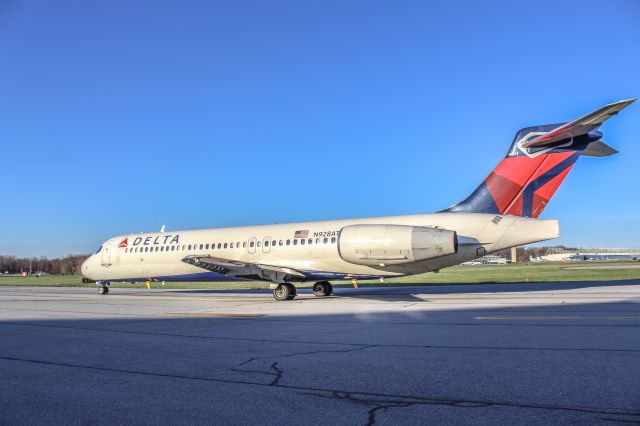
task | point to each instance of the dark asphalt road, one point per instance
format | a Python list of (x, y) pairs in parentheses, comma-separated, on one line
[(490, 354)]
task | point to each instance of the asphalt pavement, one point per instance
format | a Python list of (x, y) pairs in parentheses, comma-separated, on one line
[(551, 353)]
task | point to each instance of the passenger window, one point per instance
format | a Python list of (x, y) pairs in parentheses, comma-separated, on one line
[(259, 243), (206, 246), (225, 245), (157, 248), (173, 248), (302, 241), (251, 244), (219, 245), (310, 240), (244, 244), (333, 240), (231, 245), (280, 242), (266, 243), (189, 247), (288, 242), (325, 240), (238, 244), (162, 248), (295, 241), (317, 240)]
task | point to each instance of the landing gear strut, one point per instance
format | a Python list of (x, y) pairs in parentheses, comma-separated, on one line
[(284, 291), (322, 289), (102, 287)]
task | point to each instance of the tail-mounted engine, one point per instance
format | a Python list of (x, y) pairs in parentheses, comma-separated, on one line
[(381, 245)]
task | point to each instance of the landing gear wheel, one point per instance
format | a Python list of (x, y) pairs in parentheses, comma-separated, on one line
[(322, 289), (284, 291), (330, 292), (102, 287), (293, 292)]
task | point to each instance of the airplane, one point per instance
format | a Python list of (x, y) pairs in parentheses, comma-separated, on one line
[(501, 213)]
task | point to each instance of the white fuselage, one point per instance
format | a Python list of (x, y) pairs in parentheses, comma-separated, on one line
[(309, 247)]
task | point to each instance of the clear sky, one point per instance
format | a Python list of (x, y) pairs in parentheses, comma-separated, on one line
[(122, 116)]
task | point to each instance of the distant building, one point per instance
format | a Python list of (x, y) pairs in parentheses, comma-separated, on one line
[(489, 259), (558, 254)]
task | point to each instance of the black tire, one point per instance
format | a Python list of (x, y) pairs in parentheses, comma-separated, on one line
[(321, 289), (101, 290), (282, 292), (292, 291), (106, 290), (329, 289)]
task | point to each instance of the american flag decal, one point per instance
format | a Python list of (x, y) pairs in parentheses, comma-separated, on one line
[(301, 234)]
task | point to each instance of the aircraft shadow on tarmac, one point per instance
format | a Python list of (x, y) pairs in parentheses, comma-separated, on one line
[(399, 292)]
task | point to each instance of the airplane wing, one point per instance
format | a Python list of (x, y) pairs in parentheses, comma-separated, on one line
[(581, 126), (234, 268)]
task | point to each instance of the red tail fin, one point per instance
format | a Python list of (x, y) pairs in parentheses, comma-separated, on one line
[(539, 159)]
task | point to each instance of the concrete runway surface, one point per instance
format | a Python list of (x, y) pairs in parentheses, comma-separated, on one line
[(488, 354)]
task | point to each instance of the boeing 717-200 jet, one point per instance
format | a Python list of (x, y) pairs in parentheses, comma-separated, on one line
[(501, 213)]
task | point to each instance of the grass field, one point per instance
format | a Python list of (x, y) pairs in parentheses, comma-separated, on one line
[(472, 274)]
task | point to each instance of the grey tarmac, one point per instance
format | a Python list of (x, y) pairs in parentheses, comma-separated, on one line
[(536, 353)]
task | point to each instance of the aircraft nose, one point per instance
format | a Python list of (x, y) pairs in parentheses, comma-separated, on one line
[(86, 266)]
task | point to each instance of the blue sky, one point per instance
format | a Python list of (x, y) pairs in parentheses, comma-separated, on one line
[(119, 117)]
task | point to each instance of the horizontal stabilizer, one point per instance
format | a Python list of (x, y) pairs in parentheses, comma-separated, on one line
[(598, 149), (579, 127)]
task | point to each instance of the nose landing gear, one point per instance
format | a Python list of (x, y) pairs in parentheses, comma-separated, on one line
[(102, 287)]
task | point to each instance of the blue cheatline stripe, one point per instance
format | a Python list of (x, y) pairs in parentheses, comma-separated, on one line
[(214, 276), (534, 185)]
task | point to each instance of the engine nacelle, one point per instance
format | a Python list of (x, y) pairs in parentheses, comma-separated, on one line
[(381, 245)]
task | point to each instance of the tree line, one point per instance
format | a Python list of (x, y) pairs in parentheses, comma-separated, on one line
[(34, 265)]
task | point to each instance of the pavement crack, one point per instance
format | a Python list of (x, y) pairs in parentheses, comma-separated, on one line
[(385, 400), (321, 351), (273, 371), (279, 373)]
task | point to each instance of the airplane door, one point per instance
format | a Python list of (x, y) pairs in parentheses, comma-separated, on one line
[(266, 244), (106, 255), (251, 247)]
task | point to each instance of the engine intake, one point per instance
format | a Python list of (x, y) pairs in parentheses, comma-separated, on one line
[(382, 245)]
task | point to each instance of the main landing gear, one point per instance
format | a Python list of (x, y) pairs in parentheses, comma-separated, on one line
[(284, 291), (323, 289), (102, 287), (287, 291)]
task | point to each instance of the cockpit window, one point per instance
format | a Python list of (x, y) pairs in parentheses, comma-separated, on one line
[(99, 250)]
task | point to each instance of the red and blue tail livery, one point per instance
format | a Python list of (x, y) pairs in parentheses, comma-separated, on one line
[(539, 159)]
